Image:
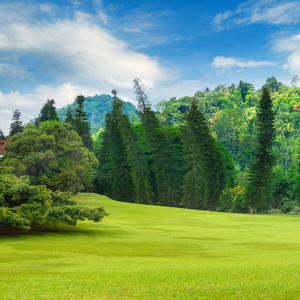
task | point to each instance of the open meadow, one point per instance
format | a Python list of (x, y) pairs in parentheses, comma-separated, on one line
[(152, 252)]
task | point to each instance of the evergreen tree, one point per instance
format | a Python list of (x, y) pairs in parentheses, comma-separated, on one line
[(119, 169), (81, 123), (260, 172), (2, 136), (204, 161), (16, 126), (48, 112), (138, 162), (164, 163), (193, 187)]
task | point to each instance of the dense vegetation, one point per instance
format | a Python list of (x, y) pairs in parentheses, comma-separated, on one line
[(179, 173), (232, 149), (97, 107), (43, 166)]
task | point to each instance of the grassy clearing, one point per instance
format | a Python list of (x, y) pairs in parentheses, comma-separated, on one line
[(150, 252)]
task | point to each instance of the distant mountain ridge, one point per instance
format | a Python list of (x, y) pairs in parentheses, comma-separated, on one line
[(97, 107)]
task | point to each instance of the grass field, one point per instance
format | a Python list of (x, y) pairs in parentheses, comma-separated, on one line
[(150, 252)]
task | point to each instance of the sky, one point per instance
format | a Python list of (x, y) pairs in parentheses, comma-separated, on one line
[(59, 49)]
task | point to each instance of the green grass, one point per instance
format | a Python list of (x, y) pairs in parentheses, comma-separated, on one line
[(151, 252)]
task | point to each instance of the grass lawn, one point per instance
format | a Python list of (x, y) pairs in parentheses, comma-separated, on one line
[(151, 252)]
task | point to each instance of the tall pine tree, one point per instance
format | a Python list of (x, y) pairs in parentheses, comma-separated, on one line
[(16, 126), (164, 163), (81, 123), (206, 175), (116, 178), (260, 172)]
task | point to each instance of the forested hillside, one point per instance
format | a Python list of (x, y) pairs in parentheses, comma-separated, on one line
[(97, 107), (177, 174)]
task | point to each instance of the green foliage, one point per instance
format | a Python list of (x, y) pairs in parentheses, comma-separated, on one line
[(115, 171), (232, 200), (260, 171), (138, 162), (16, 126), (204, 160), (48, 112), (22, 204), (97, 107), (81, 123), (2, 136), (52, 155)]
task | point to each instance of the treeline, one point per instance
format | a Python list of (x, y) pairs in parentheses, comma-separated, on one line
[(181, 164), (232, 117), (231, 149)]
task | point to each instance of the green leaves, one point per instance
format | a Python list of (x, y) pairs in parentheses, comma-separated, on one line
[(22, 204)]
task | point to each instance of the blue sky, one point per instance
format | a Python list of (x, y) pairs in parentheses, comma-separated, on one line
[(58, 49)]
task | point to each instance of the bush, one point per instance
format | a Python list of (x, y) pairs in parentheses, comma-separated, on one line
[(288, 204), (296, 210), (276, 211)]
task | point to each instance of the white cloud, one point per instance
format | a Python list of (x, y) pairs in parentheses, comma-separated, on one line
[(77, 51), (227, 63), (133, 30), (30, 104), (259, 11), (291, 46)]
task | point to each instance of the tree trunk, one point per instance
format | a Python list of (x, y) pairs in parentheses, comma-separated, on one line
[(251, 211)]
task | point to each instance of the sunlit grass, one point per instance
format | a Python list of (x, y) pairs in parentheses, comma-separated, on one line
[(150, 252)]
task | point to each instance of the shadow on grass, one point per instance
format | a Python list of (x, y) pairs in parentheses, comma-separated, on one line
[(12, 232)]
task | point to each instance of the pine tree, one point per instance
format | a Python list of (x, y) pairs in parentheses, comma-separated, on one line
[(81, 123), (16, 126), (119, 169), (204, 162), (48, 112), (164, 163), (138, 162), (260, 172), (2, 136)]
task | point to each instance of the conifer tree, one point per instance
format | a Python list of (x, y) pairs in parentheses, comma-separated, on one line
[(81, 123), (138, 162), (205, 166), (260, 172), (164, 164), (2, 136), (69, 116), (117, 166), (48, 112), (16, 126)]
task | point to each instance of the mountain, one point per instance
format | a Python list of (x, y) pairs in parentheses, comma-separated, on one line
[(97, 107)]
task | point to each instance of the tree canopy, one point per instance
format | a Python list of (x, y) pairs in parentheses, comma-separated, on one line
[(53, 155)]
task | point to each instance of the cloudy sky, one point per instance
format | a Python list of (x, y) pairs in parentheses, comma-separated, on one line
[(58, 49)]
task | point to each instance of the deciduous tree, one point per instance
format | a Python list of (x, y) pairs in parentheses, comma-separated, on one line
[(53, 155)]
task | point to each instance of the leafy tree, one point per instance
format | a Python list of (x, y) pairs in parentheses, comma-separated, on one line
[(16, 126), (260, 171), (52, 155), (22, 204), (48, 112), (273, 84), (81, 123), (245, 88)]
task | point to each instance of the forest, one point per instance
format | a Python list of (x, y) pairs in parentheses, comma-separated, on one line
[(232, 149)]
